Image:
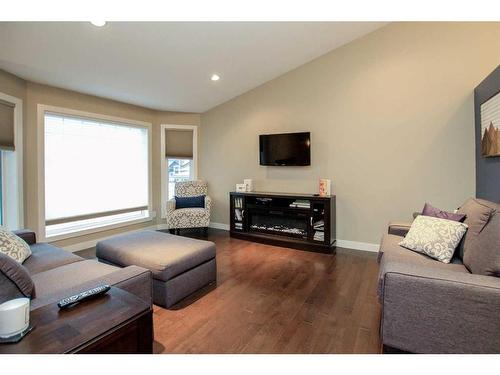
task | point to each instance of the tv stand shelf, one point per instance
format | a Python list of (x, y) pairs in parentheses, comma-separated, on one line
[(299, 221)]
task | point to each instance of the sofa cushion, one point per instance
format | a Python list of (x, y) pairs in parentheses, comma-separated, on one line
[(70, 275), (432, 211), (15, 280), (189, 218), (164, 254), (45, 257), (437, 238), (391, 253), (390, 248), (482, 251), (27, 235), (477, 214), (13, 246)]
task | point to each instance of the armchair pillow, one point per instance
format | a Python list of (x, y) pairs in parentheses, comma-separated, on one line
[(13, 246), (190, 202), (435, 237)]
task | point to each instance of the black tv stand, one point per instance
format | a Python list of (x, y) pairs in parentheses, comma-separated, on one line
[(299, 221)]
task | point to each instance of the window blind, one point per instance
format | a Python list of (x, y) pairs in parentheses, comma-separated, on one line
[(6, 125), (94, 168), (179, 143)]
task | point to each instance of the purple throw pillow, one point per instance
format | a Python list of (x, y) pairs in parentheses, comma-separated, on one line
[(436, 212)]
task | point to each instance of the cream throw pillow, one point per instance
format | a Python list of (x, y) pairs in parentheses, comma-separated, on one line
[(13, 246), (437, 238)]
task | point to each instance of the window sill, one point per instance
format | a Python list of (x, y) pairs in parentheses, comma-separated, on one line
[(102, 228)]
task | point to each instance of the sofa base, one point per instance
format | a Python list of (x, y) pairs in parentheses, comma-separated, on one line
[(386, 349)]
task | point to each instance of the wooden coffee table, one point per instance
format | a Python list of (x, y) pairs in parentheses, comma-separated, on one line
[(116, 322)]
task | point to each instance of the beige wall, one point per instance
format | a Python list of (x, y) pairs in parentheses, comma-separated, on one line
[(390, 114), (391, 121), (12, 85), (34, 94)]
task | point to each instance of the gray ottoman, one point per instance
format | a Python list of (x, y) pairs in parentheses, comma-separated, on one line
[(180, 265)]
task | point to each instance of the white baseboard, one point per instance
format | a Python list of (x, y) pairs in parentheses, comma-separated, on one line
[(211, 225), (219, 226), (354, 245)]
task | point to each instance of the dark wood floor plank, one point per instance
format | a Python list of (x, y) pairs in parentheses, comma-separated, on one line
[(276, 300)]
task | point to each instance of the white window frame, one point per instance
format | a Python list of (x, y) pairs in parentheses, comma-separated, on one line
[(163, 161), (12, 166), (42, 109)]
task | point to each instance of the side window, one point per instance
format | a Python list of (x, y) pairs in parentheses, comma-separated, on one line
[(178, 170)]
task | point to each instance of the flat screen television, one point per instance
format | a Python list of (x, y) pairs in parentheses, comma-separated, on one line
[(285, 149)]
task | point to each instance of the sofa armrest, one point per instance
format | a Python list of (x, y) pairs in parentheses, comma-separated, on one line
[(27, 235), (433, 310), (398, 228)]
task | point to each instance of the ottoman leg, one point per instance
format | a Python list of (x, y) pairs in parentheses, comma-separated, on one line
[(172, 231), (205, 231)]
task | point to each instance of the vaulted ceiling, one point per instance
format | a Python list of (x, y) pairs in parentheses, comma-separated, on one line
[(167, 65)]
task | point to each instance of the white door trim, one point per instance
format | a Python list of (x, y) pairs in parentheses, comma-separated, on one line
[(163, 162)]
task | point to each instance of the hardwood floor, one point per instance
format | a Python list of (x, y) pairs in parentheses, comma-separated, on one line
[(276, 300)]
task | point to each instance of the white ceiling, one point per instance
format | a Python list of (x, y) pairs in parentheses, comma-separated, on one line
[(167, 65)]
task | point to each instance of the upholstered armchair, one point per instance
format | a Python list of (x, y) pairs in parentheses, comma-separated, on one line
[(198, 217)]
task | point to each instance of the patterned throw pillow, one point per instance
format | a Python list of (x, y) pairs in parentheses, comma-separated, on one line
[(13, 246), (437, 238)]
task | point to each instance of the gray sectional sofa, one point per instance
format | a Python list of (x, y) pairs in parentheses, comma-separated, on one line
[(432, 307), (57, 273)]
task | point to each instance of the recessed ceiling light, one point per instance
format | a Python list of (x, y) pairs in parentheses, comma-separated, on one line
[(215, 77), (98, 23)]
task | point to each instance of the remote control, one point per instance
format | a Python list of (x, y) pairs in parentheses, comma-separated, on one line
[(88, 294)]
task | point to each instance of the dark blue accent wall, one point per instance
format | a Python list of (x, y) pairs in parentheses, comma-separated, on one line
[(487, 169)]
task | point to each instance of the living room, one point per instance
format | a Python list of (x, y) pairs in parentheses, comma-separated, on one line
[(253, 192)]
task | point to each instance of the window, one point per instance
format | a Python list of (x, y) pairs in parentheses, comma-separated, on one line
[(97, 173), (11, 171), (179, 159), (10, 194), (178, 170)]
